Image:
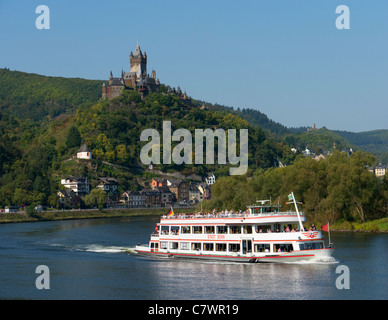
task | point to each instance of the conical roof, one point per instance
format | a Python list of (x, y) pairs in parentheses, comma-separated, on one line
[(137, 51), (84, 148)]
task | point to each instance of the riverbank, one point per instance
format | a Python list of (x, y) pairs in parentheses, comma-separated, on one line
[(87, 214), (379, 225)]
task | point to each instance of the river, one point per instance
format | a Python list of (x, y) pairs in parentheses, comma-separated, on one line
[(89, 259)]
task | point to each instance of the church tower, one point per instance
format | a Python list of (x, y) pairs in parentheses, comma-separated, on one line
[(138, 62)]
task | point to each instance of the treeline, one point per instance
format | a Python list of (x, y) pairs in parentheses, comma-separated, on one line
[(318, 141), (375, 142), (32, 96), (338, 187)]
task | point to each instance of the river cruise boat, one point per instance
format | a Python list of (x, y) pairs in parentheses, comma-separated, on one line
[(263, 233)]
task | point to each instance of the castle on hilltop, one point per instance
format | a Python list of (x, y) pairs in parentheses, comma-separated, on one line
[(136, 79)]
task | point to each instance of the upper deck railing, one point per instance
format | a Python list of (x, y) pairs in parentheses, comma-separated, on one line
[(230, 215)]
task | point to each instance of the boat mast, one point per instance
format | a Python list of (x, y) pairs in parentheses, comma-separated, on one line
[(297, 212)]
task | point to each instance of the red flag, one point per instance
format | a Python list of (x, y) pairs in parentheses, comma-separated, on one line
[(326, 227)]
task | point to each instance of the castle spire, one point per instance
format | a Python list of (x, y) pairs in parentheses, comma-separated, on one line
[(137, 51)]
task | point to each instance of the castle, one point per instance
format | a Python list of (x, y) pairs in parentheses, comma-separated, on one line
[(136, 79)]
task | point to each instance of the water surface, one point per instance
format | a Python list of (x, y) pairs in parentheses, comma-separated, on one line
[(89, 259)]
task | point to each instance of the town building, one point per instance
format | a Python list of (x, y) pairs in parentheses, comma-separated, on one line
[(152, 197), (181, 191), (155, 182), (195, 195), (68, 199), (380, 170), (109, 185), (79, 185), (166, 196), (133, 199), (205, 191)]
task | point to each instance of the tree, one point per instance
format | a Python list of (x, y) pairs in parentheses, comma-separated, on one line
[(73, 138), (96, 198)]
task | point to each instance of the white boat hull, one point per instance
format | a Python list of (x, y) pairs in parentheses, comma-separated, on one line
[(317, 255)]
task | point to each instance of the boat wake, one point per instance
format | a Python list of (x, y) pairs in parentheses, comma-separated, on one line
[(97, 248), (318, 260), (105, 249)]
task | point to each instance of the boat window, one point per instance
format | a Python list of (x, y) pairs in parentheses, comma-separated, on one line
[(235, 229), (222, 229), (234, 247), (276, 227), (156, 245), (185, 245), (262, 247), (247, 229), (209, 229), (196, 246), (310, 245), (163, 244), (208, 246), (263, 228), (282, 247), (186, 229), (220, 246), (165, 230), (173, 245), (174, 230), (197, 229)]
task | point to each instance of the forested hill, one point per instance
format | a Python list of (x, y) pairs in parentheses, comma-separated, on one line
[(37, 97), (254, 117), (375, 142), (32, 96), (35, 155)]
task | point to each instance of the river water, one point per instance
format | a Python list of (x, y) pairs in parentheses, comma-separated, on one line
[(89, 259)]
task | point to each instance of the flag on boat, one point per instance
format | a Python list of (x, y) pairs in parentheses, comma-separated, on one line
[(291, 196), (171, 213), (325, 227)]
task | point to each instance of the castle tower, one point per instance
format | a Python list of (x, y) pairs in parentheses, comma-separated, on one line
[(104, 90), (138, 62)]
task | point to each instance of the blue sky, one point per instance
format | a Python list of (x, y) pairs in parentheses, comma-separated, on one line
[(285, 58)]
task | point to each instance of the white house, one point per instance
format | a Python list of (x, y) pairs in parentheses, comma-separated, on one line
[(84, 152), (79, 185), (211, 179)]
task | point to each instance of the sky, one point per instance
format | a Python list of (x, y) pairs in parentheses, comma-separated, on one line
[(285, 58)]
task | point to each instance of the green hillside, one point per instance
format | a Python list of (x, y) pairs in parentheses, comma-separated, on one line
[(32, 96), (37, 154), (375, 142)]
